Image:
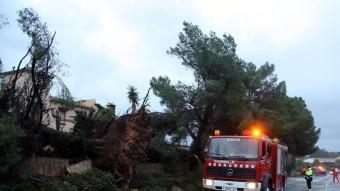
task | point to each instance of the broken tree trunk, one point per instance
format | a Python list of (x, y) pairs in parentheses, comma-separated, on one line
[(125, 145)]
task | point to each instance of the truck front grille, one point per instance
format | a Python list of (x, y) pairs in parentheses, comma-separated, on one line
[(231, 172)]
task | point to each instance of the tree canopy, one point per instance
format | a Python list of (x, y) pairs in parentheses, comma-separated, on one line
[(298, 129), (38, 69), (323, 153), (133, 98), (231, 94), (3, 21)]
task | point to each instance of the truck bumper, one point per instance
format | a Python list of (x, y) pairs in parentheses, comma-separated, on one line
[(231, 185)]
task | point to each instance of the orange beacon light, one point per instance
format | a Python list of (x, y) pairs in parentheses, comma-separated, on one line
[(217, 132)]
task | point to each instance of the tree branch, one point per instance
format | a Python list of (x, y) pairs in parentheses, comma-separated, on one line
[(146, 99), (192, 135)]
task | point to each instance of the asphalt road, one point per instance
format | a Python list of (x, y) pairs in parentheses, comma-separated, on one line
[(320, 183)]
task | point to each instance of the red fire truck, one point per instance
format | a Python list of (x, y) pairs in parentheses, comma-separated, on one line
[(245, 163)]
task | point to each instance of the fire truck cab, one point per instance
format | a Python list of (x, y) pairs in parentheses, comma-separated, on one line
[(245, 163)]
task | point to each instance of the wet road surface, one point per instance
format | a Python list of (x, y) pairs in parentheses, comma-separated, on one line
[(320, 183)]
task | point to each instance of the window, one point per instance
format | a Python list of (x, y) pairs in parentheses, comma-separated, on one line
[(62, 115), (282, 161), (269, 148), (264, 152), (233, 148)]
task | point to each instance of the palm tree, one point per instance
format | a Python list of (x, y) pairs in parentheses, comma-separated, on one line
[(133, 98)]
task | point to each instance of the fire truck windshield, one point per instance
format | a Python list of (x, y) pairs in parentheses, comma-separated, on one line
[(233, 148)]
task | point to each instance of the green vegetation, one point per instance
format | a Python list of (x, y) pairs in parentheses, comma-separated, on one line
[(323, 153), (10, 147), (20, 182), (66, 104), (133, 98), (3, 21), (230, 94), (92, 124), (298, 129), (95, 180)]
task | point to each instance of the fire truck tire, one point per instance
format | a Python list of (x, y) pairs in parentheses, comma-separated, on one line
[(266, 184)]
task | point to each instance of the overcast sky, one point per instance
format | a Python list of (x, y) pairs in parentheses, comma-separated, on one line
[(109, 45)]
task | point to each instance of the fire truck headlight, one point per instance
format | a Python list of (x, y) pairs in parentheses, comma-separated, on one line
[(208, 182), (251, 185)]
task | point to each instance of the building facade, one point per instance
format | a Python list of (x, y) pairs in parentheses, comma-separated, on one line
[(61, 113)]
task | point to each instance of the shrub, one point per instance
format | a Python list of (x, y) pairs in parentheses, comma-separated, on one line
[(62, 186), (159, 182), (19, 182), (94, 180), (10, 148), (160, 151), (64, 145)]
